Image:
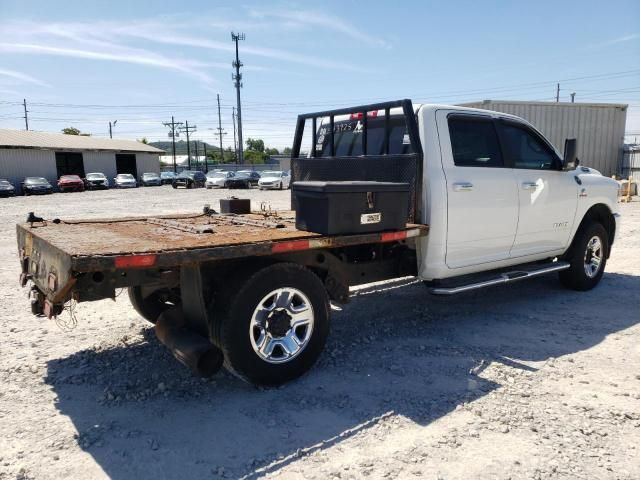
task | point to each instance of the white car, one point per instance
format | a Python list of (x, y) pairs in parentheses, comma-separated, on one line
[(125, 180), (274, 179), (217, 179)]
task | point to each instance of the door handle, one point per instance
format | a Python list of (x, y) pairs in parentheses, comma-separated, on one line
[(462, 187), (529, 185)]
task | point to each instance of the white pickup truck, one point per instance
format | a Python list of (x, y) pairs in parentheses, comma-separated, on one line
[(491, 202)]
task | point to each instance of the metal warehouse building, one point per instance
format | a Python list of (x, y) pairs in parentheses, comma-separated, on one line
[(598, 127), (50, 155)]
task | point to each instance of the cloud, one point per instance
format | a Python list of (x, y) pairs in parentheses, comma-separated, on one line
[(615, 41), (117, 54), (23, 77), (323, 21)]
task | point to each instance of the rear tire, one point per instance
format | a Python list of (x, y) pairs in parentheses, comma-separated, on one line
[(587, 257), (151, 303), (247, 312)]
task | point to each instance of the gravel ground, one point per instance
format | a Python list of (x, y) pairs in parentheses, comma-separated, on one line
[(530, 381)]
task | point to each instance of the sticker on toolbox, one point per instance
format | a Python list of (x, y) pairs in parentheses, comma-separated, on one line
[(368, 218)]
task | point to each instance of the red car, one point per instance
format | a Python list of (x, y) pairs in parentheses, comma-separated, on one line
[(70, 183)]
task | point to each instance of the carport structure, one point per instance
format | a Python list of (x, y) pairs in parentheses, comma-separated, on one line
[(50, 155)]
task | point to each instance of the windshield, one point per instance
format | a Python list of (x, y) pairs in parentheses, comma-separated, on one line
[(69, 177), (36, 180), (95, 175), (186, 174), (4, 183), (242, 174), (150, 175), (167, 174), (125, 176), (270, 173), (217, 174)]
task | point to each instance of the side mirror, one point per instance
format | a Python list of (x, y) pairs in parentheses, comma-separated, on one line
[(570, 160)]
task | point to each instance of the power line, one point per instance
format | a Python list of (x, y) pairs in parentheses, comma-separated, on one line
[(237, 78), (188, 129), (173, 135)]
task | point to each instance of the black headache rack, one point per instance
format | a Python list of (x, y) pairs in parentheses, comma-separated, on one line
[(325, 165)]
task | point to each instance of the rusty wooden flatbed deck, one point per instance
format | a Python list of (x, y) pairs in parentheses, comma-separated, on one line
[(93, 244)]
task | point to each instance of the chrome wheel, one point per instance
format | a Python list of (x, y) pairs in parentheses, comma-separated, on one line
[(281, 325), (593, 257)]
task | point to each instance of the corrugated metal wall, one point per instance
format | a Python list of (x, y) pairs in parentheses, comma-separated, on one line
[(147, 162), (599, 129), (18, 163), (103, 162)]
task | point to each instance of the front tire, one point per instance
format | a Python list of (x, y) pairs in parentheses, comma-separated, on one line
[(587, 257), (272, 326)]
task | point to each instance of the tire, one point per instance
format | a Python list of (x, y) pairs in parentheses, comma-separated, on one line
[(237, 307), (151, 303), (174, 185), (280, 187), (590, 243)]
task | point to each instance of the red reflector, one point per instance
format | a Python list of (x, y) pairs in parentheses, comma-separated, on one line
[(358, 116), (133, 261), (289, 246), (393, 236)]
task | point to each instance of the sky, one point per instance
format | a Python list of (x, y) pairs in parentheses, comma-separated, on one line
[(84, 64)]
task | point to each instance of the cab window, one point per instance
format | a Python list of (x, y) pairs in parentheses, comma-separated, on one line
[(474, 142), (526, 149)]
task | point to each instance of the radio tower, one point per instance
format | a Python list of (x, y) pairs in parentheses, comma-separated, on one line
[(237, 78)]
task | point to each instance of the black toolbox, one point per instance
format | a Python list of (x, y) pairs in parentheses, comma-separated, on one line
[(333, 208), (239, 206)]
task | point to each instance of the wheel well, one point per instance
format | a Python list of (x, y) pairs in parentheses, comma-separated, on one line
[(600, 213)]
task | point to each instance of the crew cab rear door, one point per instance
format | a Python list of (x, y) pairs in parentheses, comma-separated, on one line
[(482, 199), (548, 196)]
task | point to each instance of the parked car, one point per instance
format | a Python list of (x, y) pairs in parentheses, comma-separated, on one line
[(242, 179), (190, 179), (95, 181), (167, 177), (70, 183), (217, 178), (254, 176), (151, 179), (125, 180), (274, 179), (6, 189), (36, 186)]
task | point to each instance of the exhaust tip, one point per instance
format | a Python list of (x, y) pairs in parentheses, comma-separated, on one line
[(191, 349)]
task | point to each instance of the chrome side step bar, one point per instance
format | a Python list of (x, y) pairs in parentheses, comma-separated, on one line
[(506, 277)]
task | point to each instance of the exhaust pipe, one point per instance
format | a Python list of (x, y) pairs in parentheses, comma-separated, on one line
[(189, 348)]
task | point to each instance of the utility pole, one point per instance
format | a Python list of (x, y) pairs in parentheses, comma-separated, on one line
[(110, 132), (220, 133), (557, 93), (235, 145), (237, 77), (188, 129), (197, 159), (573, 97), (173, 134), (26, 118), (206, 161)]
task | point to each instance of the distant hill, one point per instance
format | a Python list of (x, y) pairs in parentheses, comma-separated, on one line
[(181, 147)]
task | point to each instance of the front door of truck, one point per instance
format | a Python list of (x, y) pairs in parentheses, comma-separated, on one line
[(548, 195), (482, 199)]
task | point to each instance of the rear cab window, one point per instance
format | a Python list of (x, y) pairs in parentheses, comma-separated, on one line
[(474, 141)]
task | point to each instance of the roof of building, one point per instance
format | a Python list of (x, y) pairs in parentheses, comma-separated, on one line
[(59, 141), (547, 104)]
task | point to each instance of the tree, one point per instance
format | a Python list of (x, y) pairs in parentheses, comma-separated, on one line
[(255, 144), (286, 151), (144, 140), (71, 131), (271, 151)]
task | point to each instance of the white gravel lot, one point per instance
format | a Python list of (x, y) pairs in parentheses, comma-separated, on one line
[(530, 381)]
